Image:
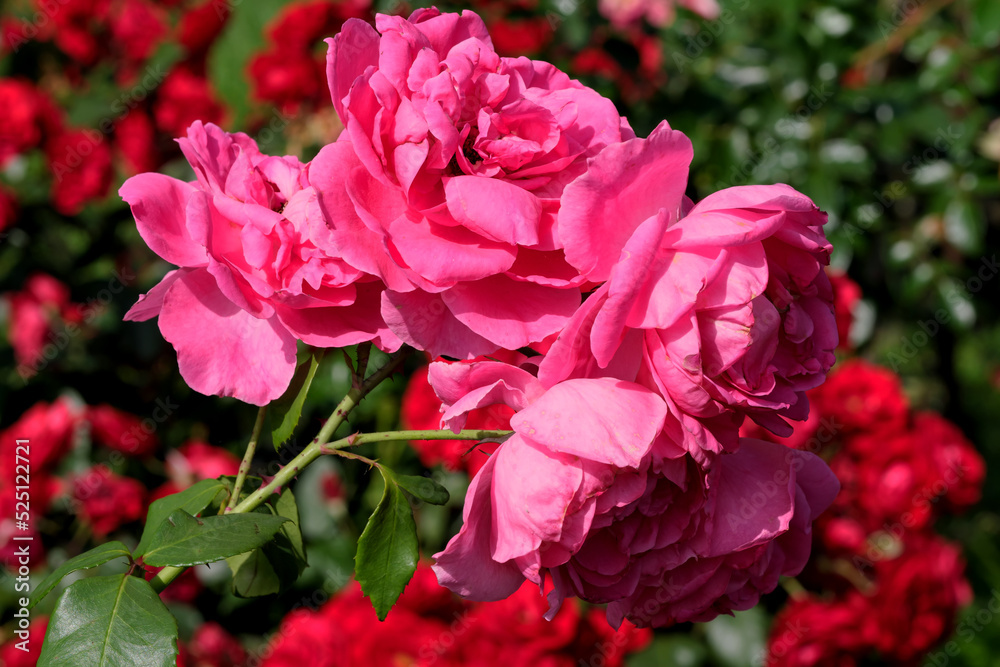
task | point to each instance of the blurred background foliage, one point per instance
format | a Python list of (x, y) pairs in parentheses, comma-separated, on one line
[(886, 113)]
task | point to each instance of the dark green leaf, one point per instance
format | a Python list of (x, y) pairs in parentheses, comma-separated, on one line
[(183, 540), (253, 574), (109, 622), (387, 550), (250, 484), (286, 411), (424, 488), (285, 506), (276, 565), (93, 558), (192, 500)]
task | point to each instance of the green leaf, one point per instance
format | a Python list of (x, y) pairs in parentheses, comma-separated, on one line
[(183, 540), (253, 574), (93, 558), (192, 500), (286, 506), (109, 622), (387, 550), (276, 565), (424, 488), (250, 484), (287, 410)]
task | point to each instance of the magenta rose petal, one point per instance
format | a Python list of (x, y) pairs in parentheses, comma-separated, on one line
[(466, 566), (221, 349), (149, 304), (158, 203)]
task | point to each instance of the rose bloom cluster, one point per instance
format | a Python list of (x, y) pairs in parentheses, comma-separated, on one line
[(478, 206), (884, 583), (431, 626)]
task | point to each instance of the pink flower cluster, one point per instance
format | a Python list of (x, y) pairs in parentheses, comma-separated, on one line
[(476, 203)]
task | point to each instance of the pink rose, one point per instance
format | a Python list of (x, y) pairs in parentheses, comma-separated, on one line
[(252, 279), (658, 12), (579, 449), (755, 527), (723, 307), (587, 491), (446, 181)]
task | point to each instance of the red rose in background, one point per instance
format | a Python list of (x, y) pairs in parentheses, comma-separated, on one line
[(120, 431), (810, 632), (514, 632), (50, 429), (961, 468), (918, 597), (212, 646), (81, 165), (861, 396), (201, 25), (78, 28), (196, 460), (908, 476), (640, 78), (29, 116), (135, 139), (107, 501), (430, 626), (182, 98), (34, 311), (846, 294), (287, 79), (12, 656), (137, 28), (293, 71)]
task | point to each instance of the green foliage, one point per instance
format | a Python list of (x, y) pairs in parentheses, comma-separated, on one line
[(96, 556), (387, 550), (183, 540), (192, 500), (109, 622), (287, 410), (277, 564), (424, 488)]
